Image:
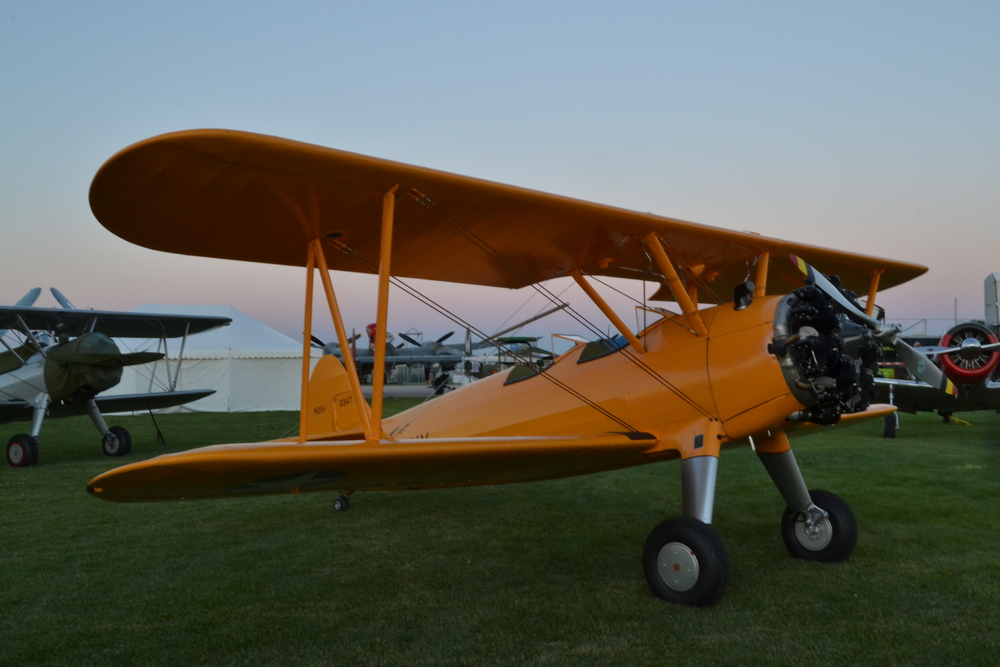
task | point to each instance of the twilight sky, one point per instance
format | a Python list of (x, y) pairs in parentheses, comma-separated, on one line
[(868, 127)]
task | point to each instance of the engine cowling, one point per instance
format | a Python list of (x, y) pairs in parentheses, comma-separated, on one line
[(971, 364)]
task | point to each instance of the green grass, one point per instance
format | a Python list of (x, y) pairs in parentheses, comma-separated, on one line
[(544, 573)]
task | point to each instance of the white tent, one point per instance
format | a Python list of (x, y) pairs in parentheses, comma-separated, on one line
[(251, 366)]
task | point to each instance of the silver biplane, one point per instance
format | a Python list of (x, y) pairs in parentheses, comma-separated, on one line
[(63, 358)]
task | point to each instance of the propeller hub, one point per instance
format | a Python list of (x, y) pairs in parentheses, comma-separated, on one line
[(971, 348)]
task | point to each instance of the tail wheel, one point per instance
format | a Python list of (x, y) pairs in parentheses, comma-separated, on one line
[(116, 442), (686, 563), (830, 539), (22, 451)]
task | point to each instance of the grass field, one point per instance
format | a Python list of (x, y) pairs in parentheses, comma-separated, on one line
[(543, 574)]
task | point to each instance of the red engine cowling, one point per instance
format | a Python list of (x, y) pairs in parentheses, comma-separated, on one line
[(971, 364)]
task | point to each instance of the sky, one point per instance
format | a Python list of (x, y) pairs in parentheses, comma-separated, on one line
[(866, 127)]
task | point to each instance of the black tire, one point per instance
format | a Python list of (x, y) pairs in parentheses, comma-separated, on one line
[(22, 451), (835, 537), (945, 419), (889, 426), (342, 503), (119, 445), (693, 550)]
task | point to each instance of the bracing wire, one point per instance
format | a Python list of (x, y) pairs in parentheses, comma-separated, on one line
[(508, 264), (370, 266)]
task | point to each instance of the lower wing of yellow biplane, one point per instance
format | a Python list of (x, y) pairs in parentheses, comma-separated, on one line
[(284, 467)]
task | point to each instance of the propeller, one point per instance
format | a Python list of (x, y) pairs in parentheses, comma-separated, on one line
[(971, 346), (445, 337), (318, 343), (63, 301), (28, 299), (919, 365), (410, 340)]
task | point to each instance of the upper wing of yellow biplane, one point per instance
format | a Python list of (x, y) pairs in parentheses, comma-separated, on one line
[(236, 195)]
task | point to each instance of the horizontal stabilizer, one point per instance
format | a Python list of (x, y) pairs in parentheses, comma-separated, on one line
[(272, 468)]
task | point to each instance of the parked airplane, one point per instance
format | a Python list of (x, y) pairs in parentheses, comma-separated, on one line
[(66, 358), (749, 370), (968, 354)]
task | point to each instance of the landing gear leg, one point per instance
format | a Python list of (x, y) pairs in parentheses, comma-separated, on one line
[(684, 560), (22, 449), (115, 441), (817, 525)]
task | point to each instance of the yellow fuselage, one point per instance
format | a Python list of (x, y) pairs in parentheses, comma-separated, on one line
[(725, 385)]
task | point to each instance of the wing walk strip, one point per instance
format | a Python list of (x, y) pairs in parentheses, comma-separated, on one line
[(425, 201)]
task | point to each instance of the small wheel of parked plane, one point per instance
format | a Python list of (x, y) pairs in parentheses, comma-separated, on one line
[(116, 442), (685, 562), (22, 451), (889, 426), (342, 503), (830, 539), (945, 419)]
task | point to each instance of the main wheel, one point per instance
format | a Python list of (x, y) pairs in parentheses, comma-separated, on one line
[(116, 442), (831, 539), (342, 503), (22, 451), (685, 562), (889, 426)]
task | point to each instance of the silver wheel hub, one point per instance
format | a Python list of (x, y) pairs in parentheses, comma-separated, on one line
[(16, 453), (814, 535), (677, 566)]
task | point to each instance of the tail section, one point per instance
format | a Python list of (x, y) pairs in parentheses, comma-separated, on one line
[(333, 411)]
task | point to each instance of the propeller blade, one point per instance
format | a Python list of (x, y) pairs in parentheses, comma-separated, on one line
[(409, 340), (28, 299), (917, 363), (832, 291), (63, 301), (317, 342), (445, 337), (948, 350), (923, 368)]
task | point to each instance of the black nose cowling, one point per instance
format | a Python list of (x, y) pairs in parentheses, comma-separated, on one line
[(828, 362)]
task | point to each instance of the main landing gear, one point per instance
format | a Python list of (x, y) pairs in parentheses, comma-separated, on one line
[(685, 561), (22, 451), (115, 441), (817, 525)]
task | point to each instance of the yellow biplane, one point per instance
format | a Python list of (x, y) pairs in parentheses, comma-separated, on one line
[(772, 356)]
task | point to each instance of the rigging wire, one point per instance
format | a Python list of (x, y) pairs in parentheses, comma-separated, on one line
[(461, 322), (508, 264)]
